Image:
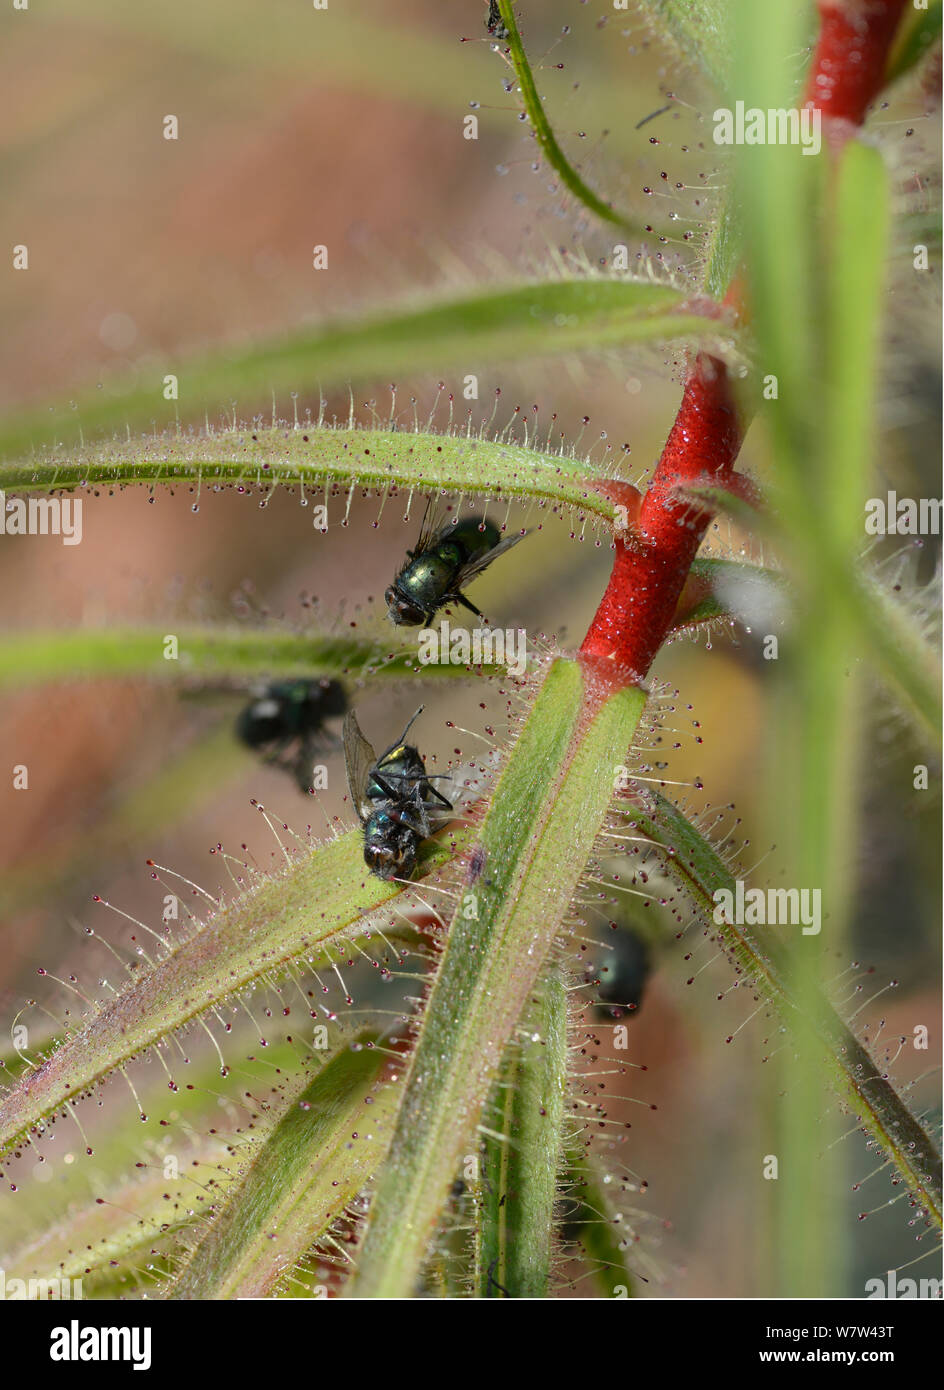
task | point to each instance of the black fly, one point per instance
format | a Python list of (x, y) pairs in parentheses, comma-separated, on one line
[(394, 799), (285, 721), (624, 971), (494, 22)]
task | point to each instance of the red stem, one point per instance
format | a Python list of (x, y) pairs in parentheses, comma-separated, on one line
[(851, 55), (652, 563)]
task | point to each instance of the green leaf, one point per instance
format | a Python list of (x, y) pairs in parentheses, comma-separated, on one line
[(314, 911), (545, 135), (34, 658), (531, 320), (326, 1147), (854, 307), (779, 192), (320, 457), (135, 1221), (843, 1061), (533, 844), (104, 1226), (725, 249), (919, 32), (522, 1155), (815, 761), (591, 1220), (698, 30)]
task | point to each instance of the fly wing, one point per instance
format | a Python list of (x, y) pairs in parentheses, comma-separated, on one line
[(359, 758), (482, 562), (465, 785), (430, 527)]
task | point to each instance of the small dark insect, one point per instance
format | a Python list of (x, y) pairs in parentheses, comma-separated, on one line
[(494, 23), (444, 559), (286, 719), (623, 972), (477, 864), (394, 798)]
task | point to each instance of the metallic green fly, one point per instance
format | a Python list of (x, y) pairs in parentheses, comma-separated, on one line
[(445, 558)]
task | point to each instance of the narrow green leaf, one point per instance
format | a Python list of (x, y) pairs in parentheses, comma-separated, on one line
[(725, 249), (920, 31), (778, 192), (591, 1220), (312, 912), (698, 31), (127, 1227), (124, 1201), (35, 658), (854, 306), (522, 1158), (319, 457), (545, 136), (325, 1148), (531, 320), (847, 1067), (813, 761), (534, 842)]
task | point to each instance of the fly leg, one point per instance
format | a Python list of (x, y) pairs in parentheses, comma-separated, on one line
[(389, 792), (385, 780), (466, 603), (304, 762), (277, 754), (437, 794), (401, 740)]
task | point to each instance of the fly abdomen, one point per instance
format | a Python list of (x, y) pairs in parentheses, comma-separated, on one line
[(474, 537)]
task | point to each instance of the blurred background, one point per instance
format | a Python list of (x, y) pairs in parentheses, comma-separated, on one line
[(345, 128)]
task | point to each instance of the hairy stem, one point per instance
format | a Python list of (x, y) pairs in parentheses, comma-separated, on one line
[(650, 569)]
